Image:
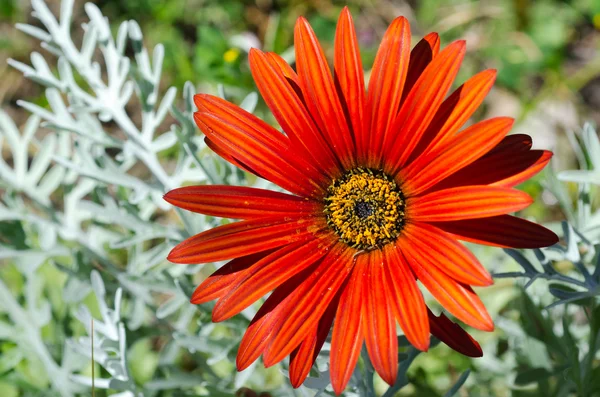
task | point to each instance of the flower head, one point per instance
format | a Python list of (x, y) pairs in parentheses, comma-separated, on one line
[(382, 184)]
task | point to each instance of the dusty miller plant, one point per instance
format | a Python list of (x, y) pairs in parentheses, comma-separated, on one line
[(85, 232)]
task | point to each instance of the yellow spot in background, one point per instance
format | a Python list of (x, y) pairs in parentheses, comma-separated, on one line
[(231, 55), (596, 21)]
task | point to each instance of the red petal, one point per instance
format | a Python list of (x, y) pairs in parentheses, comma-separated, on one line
[(421, 105), (262, 327), (460, 151), (406, 300), (291, 113), (267, 274), (223, 152), (240, 202), (308, 304), (243, 238), (433, 247), (386, 84), (420, 57), (320, 94), (348, 336), (349, 77), (378, 320), (229, 275), (286, 70), (456, 110), (303, 358), (270, 159), (513, 143), (458, 299), (504, 169), (466, 202), (453, 335), (501, 231)]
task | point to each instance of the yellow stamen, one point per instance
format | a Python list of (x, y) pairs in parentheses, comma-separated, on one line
[(365, 208)]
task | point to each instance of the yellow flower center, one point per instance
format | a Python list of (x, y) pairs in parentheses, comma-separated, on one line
[(365, 208)]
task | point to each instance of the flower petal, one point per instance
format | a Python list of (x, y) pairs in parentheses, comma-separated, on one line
[(378, 320), (420, 57), (503, 168), (223, 152), (455, 111), (320, 94), (259, 333), (453, 335), (349, 78), (501, 231), (291, 113), (266, 274), (435, 248), (304, 356), (243, 238), (406, 300), (221, 281), (304, 311), (421, 106), (239, 202), (513, 143), (458, 299), (348, 335), (466, 202), (460, 151), (270, 159), (386, 84)]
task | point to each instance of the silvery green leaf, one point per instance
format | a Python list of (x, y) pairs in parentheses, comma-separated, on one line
[(34, 31), (592, 145), (171, 306), (99, 21), (76, 290), (249, 102), (580, 176)]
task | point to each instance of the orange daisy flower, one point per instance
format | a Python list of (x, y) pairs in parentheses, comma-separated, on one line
[(381, 184)]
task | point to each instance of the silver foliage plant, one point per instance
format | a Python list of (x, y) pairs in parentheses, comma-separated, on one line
[(79, 204)]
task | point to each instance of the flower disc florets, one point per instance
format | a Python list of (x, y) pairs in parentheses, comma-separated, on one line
[(365, 208)]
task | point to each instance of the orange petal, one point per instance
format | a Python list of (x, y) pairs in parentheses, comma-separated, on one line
[(347, 337), (223, 152), (466, 202), (228, 276), (386, 84), (460, 151), (456, 110), (310, 301), (421, 105), (349, 77), (266, 274), (303, 358), (259, 333), (291, 113), (453, 335), (458, 299), (320, 93), (501, 231), (243, 238), (239, 202), (420, 57), (406, 300), (433, 247), (270, 159), (378, 320), (503, 169)]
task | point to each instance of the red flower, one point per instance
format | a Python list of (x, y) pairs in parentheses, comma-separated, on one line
[(381, 186)]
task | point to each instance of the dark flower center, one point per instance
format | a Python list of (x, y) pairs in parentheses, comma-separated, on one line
[(365, 208)]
